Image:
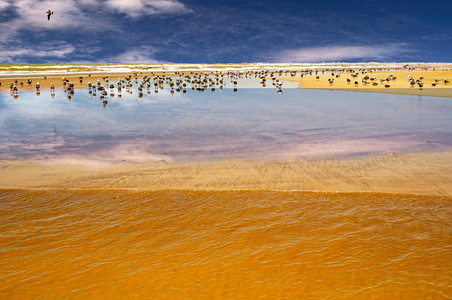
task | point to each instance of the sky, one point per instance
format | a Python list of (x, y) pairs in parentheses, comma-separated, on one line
[(224, 31)]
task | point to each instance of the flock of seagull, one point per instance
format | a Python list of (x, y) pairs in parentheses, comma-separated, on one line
[(180, 83), (208, 81), (367, 80)]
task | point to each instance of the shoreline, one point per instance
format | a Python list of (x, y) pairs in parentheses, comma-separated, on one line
[(304, 74), (447, 93)]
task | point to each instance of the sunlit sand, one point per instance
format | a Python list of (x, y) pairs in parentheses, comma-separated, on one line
[(406, 174), (399, 85)]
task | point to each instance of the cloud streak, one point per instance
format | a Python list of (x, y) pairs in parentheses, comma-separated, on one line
[(75, 27), (3, 4), (141, 54), (137, 8), (46, 50), (341, 53), (31, 15)]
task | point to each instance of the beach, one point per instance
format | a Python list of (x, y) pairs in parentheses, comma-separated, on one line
[(416, 173), (254, 173), (207, 181), (399, 84)]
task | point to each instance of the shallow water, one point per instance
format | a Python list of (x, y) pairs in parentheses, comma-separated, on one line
[(166, 244), (251, 123), (233, 244)]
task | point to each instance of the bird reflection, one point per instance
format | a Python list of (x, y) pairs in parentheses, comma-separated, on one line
[(179, 84)]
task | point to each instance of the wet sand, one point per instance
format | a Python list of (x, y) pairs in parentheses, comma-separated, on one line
[(416, 173), (179, 244)]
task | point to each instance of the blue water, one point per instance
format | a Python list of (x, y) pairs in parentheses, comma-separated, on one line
[(297, 123)]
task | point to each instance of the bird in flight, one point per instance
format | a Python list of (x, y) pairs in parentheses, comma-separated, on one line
[(49, 13)]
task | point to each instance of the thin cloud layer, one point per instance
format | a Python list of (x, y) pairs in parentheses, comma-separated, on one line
[(137, 8), (76, 28), (341, 53), (80, 14), (142, 54), (31, 16), (22, 54), (3, 4)]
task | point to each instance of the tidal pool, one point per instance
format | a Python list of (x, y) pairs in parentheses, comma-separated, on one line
[(253, 123)]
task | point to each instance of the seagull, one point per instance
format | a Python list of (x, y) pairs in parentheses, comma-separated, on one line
[(49, 12)]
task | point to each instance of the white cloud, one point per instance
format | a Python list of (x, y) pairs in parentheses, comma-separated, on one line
[(90, 3), (31, 15), (78, 14), (74, 18), (4, 4), (137, 8), (141, 54), (341, 53), (54, 50)]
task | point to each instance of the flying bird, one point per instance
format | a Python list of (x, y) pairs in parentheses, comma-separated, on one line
[(49, 13)]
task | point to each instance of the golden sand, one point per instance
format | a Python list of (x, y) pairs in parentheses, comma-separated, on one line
[(399, 85), (418, 173)]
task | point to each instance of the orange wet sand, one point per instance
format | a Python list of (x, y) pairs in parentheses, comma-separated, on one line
[(182, 244)]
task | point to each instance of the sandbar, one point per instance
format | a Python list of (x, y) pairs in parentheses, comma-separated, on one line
[(397, 82), (410, 173)]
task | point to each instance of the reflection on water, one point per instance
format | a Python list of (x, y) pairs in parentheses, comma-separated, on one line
[(249, 123), (233, 244), (230, 244)]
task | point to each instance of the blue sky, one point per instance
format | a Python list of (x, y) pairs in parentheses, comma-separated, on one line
[(216, 31)]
